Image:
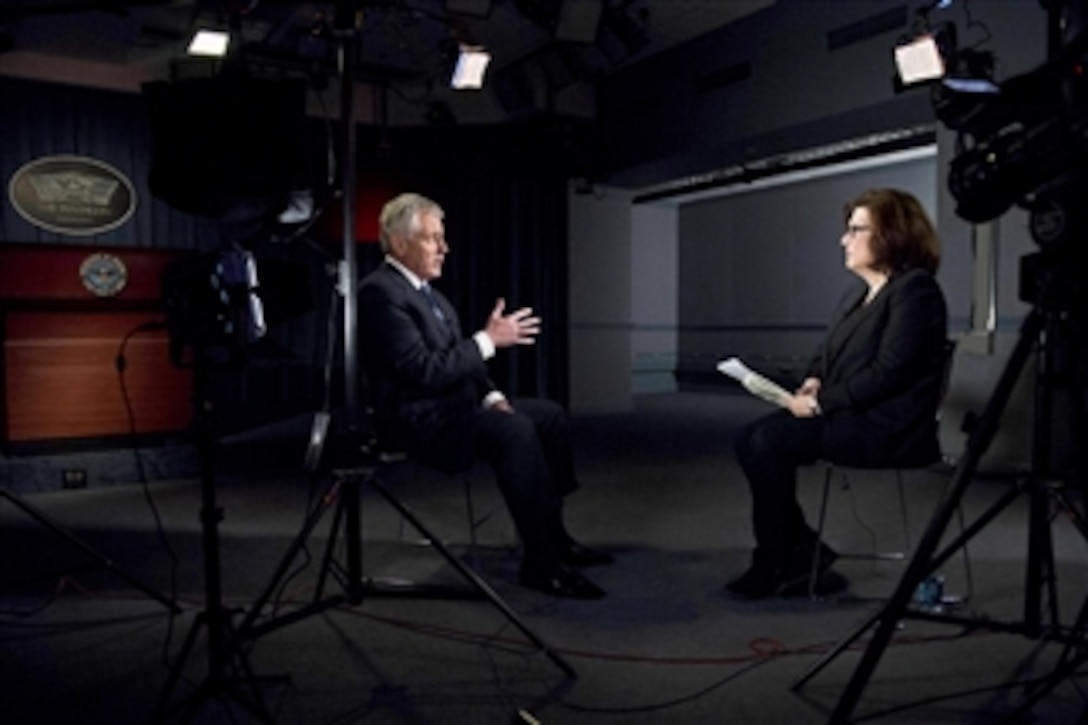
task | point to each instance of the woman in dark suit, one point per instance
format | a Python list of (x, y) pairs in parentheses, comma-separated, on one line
[(870, 394)]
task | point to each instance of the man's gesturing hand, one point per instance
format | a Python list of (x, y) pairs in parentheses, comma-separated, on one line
[(517, 328)]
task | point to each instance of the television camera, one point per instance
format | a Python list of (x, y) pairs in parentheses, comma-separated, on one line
[(1022, 141), (1019, 142)]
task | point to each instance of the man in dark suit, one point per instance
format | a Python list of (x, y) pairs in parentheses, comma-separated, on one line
[(870, 394), (433, 398)]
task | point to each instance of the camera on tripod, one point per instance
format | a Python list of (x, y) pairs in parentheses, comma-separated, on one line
[(1022, 141)]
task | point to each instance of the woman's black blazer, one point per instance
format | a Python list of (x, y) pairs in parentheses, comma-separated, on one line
[(882, 377)]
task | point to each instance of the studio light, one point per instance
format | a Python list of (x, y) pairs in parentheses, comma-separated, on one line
[(960, 79), (300, 207), (210, 43), (919, 60), (468, 73), (1018, 142), (928, 56), (213, 305)]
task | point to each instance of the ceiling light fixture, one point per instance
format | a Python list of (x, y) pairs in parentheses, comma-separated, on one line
[(210, 43), (472, 62)]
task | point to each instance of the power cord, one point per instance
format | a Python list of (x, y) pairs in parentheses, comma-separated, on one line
[(121, 365)]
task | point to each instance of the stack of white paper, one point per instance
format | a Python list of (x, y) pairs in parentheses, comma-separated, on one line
[(753, 382)]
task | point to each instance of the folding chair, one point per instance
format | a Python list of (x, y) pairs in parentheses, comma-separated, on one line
[(831, 470)]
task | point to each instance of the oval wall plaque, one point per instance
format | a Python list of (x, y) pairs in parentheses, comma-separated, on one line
[(72, 195)]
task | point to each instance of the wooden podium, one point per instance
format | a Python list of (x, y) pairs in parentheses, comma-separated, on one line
[(63, 321)]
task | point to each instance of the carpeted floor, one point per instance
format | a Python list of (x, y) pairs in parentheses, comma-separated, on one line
[(88, 635)]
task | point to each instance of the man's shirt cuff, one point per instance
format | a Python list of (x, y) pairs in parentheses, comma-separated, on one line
[(487, 347)]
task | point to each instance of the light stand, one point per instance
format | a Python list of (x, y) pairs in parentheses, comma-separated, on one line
[(344, 492), (363, 466), (229, 674), (53, 527), (349, 265), (1040, 330), (1067, 665)]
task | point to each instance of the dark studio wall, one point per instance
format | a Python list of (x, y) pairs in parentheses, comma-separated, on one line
[(799, 74), (799, 77), (504, 191), (503, 188), (795, 75)]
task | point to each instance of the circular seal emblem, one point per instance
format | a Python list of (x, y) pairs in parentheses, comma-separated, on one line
[(103, 274)]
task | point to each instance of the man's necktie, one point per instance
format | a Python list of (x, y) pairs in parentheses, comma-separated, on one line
[(429, 294)]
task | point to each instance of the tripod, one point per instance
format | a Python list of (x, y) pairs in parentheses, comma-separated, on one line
[(52, 526), (344, 491), (1068, 663), (1039, 331), (229, 673), (363, 466)]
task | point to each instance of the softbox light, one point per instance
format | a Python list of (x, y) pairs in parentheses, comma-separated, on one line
[(229, 147)]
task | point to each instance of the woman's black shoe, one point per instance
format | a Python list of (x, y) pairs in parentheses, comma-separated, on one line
[(759, 582), (560, 582), (574, 554), (798, 570)]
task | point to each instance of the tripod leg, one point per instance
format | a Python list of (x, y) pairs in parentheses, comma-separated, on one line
[(243, 685), (341, 492), (175, 671), (348, 514), (482, 586), (841, 646), (353, 530), (224, 647), (935, 563), (920, 563), (1040, 562), (71, 538), (1067, 665), (334, 533), (357, 586), (296, 546)]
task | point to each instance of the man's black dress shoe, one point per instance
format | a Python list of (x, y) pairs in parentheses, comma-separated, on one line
[(574, 554), (561, 582)]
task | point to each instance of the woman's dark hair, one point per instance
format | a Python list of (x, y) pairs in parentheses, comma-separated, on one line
[(903, 237)]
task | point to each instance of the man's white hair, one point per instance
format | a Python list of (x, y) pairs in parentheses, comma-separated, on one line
[(400, 215)]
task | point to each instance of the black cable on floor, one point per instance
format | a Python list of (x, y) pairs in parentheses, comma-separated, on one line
[(121, 365)]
